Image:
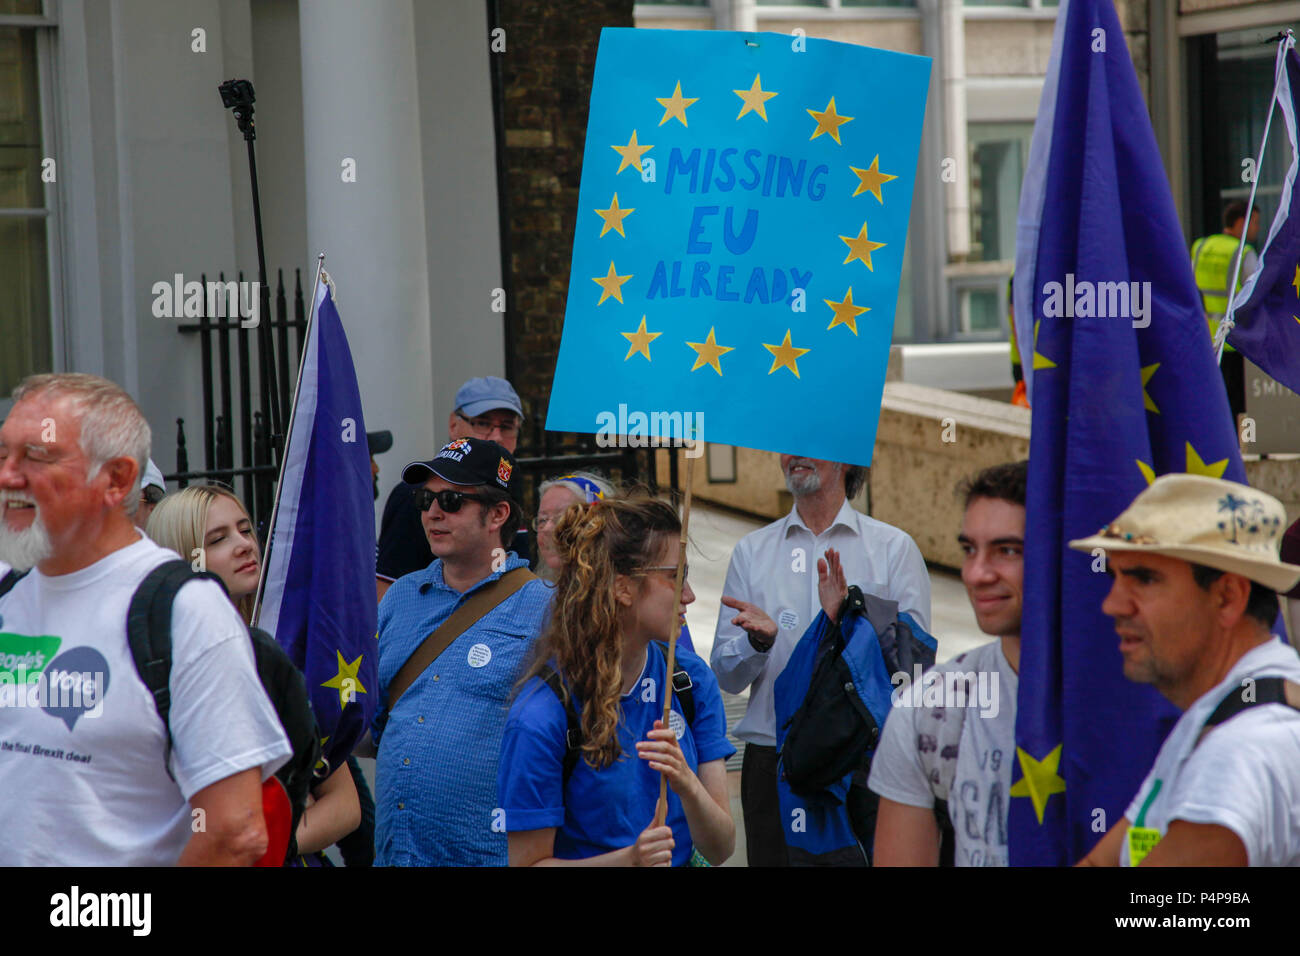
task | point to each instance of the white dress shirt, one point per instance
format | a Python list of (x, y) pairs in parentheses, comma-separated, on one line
[(775, 568)]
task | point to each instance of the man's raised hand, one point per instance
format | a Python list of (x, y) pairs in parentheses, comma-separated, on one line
[(831, 583), (752, 619)]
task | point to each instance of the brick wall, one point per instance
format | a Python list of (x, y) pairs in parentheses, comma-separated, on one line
[(546, 85)]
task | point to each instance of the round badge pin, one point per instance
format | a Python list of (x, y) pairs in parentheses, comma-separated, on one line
[(788, 618), (479, 655), (677, 723)]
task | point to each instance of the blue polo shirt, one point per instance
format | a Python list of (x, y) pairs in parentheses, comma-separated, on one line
[(599, 811), (436, 773)]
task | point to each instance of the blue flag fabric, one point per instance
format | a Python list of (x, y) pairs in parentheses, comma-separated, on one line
[(1125, 387), (741, 225), (318, 596), (1267, 327)]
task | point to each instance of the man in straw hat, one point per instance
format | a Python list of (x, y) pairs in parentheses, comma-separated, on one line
[(1196, 574)]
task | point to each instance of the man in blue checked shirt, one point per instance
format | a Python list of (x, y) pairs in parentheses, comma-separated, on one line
[(439, 725)]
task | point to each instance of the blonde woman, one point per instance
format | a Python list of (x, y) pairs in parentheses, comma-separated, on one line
[(613, 604), (209, 526)]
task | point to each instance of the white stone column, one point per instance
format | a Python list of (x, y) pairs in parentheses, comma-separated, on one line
[(360, 102), (952, 26)]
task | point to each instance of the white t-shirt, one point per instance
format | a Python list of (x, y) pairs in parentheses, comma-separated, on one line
[(922, 732), (1245, 775), (82, 776)]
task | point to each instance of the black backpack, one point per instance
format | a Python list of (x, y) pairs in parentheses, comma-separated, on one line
[(682, 687), (149, 634)]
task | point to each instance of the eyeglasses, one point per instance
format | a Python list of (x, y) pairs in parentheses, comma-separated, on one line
[(448, 501), (686, 569), (545, 521), (484, 427)]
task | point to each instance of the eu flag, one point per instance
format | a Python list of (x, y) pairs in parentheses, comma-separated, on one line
[(1124, 388), (318, 594), (1267, 326)]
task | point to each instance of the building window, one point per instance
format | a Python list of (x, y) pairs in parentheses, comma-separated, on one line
[(25, 325), (998, 152)]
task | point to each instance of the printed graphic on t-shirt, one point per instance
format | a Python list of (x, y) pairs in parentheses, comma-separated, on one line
[(979, 806), (66, 686)]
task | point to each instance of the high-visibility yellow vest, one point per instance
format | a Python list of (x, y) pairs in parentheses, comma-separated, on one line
[(1212, 259)]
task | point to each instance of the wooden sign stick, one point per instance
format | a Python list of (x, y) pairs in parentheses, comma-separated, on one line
[(661, 810)]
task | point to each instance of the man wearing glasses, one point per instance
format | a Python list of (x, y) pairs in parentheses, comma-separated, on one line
[(442, 712), (486, 407)]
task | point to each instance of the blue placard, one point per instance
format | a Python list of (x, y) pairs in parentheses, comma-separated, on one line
[(741, 226)]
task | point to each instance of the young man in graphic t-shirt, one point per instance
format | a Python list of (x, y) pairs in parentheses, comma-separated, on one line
[(952, 735), (1196, 575), (88, 779)]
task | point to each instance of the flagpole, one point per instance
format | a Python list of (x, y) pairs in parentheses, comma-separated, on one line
[(1286, 41), (284, 455), (661, 809)]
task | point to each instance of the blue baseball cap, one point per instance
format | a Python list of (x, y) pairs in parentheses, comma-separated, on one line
[(480, 395)]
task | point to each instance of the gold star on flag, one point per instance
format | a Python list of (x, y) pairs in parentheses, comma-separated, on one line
[(1296, 282), (871, 179), (708, 351), (860, 247), (829, 121), (640, 340), (1040, 361), (1195, 466), (614, 217), (1148, 472), (1147, 372), (846, 312), (675, 105), (1040, 779), (610, 284), (345, 681), (785, 355), (755, 100), (631, 154)]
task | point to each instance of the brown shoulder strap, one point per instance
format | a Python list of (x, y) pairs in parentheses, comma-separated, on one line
[(461, 620)]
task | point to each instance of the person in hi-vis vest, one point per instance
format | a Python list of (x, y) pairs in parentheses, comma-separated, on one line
[(1213, 263)]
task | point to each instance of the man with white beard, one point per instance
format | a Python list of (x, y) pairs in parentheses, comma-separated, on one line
[(91, 775), (772, 583)]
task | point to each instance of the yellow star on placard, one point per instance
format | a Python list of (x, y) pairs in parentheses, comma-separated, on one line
[(1040, 779), (1195, 466), (614, 217), (785, 355), (640, 340), (846, 312), (1040, 361), (675, 105), (1296, 282), (829, 121), (610, 284), (871, 179), (708, 351), (755, 100), (860, 247), (1147, 372), (1148, 472), (345, 681), (631, 154)]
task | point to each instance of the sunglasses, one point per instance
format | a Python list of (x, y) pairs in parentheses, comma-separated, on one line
[(448, 501)]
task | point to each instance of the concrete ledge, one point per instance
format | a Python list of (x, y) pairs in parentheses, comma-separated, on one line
[(928, 441)]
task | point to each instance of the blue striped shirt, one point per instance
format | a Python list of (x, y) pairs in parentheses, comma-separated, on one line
[(436, 773)]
